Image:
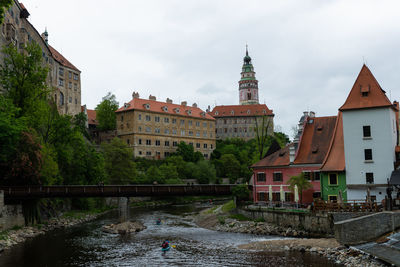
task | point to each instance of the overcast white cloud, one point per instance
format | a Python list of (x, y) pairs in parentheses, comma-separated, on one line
[(307, 54)]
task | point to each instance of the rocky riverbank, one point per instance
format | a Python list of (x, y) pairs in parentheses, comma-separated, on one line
[(326, 247), (9, 238)]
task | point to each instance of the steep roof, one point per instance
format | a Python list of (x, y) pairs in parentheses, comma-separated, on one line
[(241, 110), (61, 59), (92, 116), (315, 140), (334, 160), (276, 159), (163, 107), (366, 93)]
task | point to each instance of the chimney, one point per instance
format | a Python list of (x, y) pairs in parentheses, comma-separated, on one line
[(292, 153), (208, 108), (151, 97), (194, 105), (184, 103), (45, 36), (169, 101), (135, 94)]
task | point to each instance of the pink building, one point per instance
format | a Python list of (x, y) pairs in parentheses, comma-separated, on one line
[(305, 154)]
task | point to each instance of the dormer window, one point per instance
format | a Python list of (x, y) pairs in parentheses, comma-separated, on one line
[(127, 105), (177, 110), (264, 111), (165, 108), (248, 111), (203, 114), (365, 90), (232, 112), (146, 106), (216, 112), (189, 112)]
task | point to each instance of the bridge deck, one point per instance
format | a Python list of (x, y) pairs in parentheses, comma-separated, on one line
[(32, 192)]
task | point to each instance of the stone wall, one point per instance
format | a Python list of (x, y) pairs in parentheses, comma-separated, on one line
[(319, 224), (10, 215), (366, 228)]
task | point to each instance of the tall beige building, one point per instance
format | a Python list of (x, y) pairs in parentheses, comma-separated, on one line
[(64, 77), (154, 129)]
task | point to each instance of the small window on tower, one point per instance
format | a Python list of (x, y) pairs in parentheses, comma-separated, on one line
[(248, 95)]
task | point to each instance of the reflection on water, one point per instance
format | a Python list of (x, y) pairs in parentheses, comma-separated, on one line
[(87, 245)]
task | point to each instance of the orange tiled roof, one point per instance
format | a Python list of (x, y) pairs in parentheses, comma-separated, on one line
[(92, 116), (61, 59), (159, 107), (241, 110), (276, 159), (315, 140), (366, 83), (334, 160)]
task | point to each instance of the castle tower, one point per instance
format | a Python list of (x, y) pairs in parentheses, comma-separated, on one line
[(248, 85)]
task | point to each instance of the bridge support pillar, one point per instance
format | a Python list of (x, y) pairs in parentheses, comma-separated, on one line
[(123, 208)]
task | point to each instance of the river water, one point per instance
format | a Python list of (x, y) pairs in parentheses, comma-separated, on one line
[(87, 245)]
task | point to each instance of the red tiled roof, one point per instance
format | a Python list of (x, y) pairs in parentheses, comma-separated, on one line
[(61, 59), (315, 140), (366, 83), (241, 110), (334, 160), (278, 158), (92, 116), (157, 106)]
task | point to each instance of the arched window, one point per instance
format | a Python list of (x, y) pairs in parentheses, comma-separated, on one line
[(61, 99)]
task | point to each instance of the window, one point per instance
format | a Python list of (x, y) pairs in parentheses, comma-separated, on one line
[(70, 85), (204, 133), (174, 131), (261, 177), (211, 146), (204, 145), (166, 120), (205, 156), (182, 122), (307, 175), (157, 130), (60, 82), (148, 118), (198, 134), (204, 124), (317, 176), (166, 143), (70, 99), (190, 144), (277, 177), (140, 152), (316, 195), (288, 197), (166, 154), (262, 196), (148, 153), (75, 76), (368, 154), (173, 121), (197, 123), (148, 142), (332, 198), (367, 131), (166, 131), (369, 177), (182, 132), (157, 119), (140, 117), (61, 99), (190, 123), (190, 133), (148, 129), (197, 145), (364, 94), (76, 101), (140, 141), (139, 128), (70, 75), (61, 71), (128, 141), (333, 179), (75, 86), (174, 143), (158, 142)]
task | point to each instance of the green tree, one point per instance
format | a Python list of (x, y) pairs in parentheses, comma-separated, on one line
[(50, 173), (302, 184), (119, 163), (154, 175), (204, 172), (262, 135), (231, 166), (179, 163), (4, 5), (23, 76), (105, 112), (241, 191)]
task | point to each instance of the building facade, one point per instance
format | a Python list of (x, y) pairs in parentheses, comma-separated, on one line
[(63, 77), (154, 129), (249, 118), (370, 134), (272, 173)]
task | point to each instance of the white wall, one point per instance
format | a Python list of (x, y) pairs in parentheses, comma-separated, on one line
[(382, 143)]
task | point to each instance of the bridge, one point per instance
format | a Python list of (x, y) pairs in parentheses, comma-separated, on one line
[(67, 191)]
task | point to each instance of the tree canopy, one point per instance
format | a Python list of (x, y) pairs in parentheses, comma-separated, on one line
[(105, 112)]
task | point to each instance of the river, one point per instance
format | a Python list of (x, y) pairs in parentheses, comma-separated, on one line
[(87, 245)]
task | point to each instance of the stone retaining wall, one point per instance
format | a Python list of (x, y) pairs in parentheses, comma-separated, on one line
[(366, 228), (10, 215)]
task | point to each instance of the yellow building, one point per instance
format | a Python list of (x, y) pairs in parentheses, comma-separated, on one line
[(154, 129)]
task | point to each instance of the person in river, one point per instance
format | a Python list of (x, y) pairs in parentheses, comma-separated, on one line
[(158, 222), (165, 246)]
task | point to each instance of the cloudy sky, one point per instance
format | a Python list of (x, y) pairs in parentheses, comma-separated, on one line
[(306, 54)]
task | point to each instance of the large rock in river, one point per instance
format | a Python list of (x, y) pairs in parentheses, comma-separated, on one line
[(124, 228)]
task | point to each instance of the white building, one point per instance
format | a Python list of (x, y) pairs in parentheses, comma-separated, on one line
[(370, 138)]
